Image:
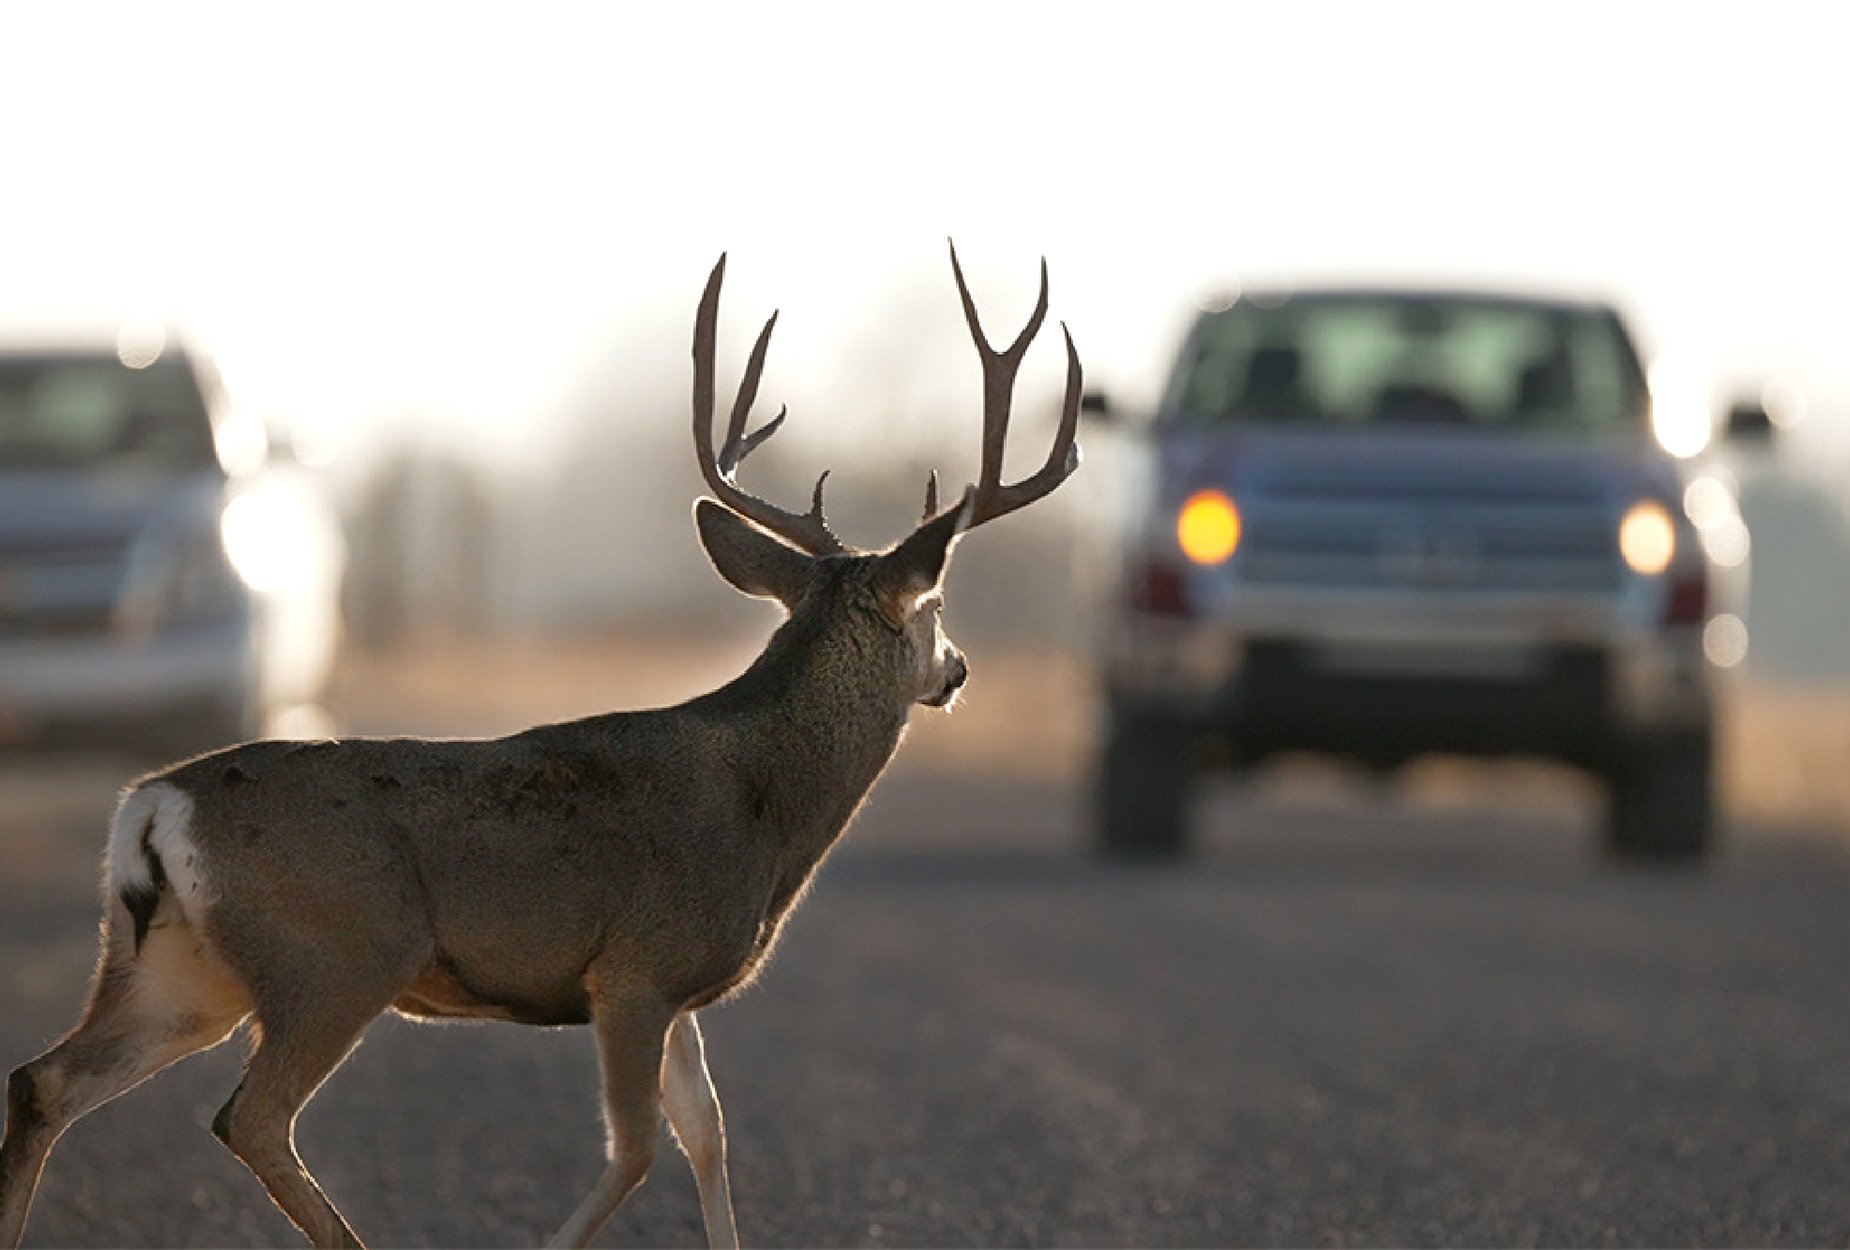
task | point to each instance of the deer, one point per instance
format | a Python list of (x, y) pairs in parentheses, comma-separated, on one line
[(623, 871)]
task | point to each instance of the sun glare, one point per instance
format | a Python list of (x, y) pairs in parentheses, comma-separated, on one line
[(1785, 402), (1724, 640), (1679, 409), (140, 342)]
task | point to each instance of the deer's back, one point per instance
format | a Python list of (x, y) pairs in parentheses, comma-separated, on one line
[(500, 869)]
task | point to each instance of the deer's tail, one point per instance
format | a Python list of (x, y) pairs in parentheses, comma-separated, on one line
[(151, 838)]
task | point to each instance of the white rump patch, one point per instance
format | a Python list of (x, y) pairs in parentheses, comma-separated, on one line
[(164, 813)]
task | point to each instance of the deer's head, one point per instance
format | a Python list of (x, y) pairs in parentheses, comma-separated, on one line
[(795, 558)]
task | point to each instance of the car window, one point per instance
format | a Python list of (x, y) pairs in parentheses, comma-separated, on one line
[(1366, 359), (79, 410)]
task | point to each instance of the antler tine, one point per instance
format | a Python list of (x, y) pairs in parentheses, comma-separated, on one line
[(807, 531), (999, 369), (1062, 458), (993, 499), (737, 446)]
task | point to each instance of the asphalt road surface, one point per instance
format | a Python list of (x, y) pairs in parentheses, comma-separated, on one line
[(1352, 1020)]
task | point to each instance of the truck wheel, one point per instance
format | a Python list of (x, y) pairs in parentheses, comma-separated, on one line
[(1662, 800), (1142, 790)]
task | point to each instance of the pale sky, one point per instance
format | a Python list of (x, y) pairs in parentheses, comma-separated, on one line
[(368, 208)]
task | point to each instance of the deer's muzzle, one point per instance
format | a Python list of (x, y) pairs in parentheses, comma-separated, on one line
[(956, 673)]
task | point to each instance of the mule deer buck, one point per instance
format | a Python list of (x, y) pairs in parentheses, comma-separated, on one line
[(624, 871)]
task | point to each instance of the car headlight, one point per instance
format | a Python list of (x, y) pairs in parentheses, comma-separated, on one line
[(1208, 527), (276, 539), (1647, 538)]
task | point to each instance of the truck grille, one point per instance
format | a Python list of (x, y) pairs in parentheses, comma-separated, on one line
[(61, 590), (1520, 547)]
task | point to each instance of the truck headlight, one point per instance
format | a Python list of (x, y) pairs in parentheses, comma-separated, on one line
[(1647, 538), (1208, 527), (275, 538)]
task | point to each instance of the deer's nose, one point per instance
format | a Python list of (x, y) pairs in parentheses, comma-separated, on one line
[(956, 673)]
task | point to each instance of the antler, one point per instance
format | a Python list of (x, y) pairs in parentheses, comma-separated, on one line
[(806, 530), (993, 499)]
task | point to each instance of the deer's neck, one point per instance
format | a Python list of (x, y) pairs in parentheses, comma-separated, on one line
[(820, 719)]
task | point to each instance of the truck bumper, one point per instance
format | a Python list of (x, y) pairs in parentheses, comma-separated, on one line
[(86, 688), (1374, 685)]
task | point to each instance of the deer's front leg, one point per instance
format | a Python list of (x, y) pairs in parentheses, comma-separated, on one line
[(693, 1112), (631, 1023)]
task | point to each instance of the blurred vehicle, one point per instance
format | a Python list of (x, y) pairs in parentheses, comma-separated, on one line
[(1384, 523), (163, 585)]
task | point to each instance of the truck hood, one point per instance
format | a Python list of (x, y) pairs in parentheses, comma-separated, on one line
[(1411, 465)]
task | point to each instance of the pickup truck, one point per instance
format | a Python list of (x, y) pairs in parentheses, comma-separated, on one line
[(1381, 523)]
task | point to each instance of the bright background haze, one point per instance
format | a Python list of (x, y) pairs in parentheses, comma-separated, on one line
[(460, 214)]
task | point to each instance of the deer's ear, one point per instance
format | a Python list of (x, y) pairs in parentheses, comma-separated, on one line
[(748, 557), (913, 569)]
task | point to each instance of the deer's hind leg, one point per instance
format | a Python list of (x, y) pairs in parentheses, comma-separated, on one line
[(293, 1055), (693, 1112), (146, 1009), (312, 1003)]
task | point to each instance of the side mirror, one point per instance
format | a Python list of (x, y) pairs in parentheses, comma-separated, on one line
[(1748, 422), (1096, 406)]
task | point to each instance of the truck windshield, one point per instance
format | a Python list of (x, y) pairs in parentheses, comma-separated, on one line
[(1356, 359), (85, 409)]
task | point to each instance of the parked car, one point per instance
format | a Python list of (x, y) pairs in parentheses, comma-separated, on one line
[(150, 596), (1379, 523)]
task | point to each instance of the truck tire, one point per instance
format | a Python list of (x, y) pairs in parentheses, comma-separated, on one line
[(1144, 775), (1662, 800)]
